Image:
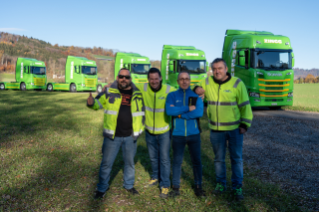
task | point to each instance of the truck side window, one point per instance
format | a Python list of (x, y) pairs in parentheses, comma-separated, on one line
[(25, 69), (174, 66), (246, 58)]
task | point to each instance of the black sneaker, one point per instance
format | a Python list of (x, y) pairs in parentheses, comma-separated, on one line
[(238, 193), (132, 191), (219, 189), (99, 195), (174, 193), (200, 192)]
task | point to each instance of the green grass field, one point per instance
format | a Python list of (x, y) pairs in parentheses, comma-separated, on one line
[(4, 77), (306, 98), (51, 151)]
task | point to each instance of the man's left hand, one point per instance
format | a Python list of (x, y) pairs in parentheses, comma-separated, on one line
[(242, 130)]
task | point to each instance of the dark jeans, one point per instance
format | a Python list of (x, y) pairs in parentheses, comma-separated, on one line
[(110, 149), (235, 146), (158, 150), (179, 143)]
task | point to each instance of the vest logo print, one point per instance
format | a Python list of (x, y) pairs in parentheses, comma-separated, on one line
[(162, 97), (227, 91)]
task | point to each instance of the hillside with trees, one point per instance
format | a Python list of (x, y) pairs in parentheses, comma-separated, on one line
[(14, 46)]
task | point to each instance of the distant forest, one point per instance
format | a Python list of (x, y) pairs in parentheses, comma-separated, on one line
[(14, 46)]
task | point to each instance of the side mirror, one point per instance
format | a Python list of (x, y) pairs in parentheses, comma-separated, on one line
[(242, 58), (292, 59), (125, 66), (171, 66)]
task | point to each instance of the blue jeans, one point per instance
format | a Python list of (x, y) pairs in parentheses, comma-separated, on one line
[(110, 149), (158, 150), (235, 146), (179, 143)]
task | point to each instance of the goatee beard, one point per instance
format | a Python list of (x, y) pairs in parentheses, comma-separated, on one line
[(126, 86)]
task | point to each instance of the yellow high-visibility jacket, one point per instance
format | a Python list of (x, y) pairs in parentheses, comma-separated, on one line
[(228, 104), (110, 101)]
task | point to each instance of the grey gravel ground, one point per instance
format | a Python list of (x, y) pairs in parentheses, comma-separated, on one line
[(286, 152)]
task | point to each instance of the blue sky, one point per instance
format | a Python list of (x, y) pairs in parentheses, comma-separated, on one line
[(145, 26)]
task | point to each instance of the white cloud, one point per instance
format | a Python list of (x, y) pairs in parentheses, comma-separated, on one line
[(10, 29)]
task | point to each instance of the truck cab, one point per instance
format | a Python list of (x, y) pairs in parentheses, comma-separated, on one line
[(264, 62), (30, 75), (138, 66), (80, 75), (176, 59)]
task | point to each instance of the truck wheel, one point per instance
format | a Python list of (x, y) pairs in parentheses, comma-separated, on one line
[(22, 86), (2, 86), (99, 88), (72, 87), (50, 87)]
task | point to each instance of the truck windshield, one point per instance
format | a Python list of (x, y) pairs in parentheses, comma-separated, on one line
[(38, 70), (272, 60), (89, 70), (140, 68), (192, 66)]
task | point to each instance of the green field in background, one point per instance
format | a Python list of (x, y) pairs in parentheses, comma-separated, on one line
[(306, 98), (51, 151), (4, 77)]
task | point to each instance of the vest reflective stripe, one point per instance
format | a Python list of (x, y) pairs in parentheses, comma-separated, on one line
[(236, 83), (168, 88), (137, 133), (145, 87), (156, 129), (207, 81), (156, 110), (221, 103), (107, 131), (243, 104), (224, 123), (247, 120), (138, 114), (111, 112), (101, 107)]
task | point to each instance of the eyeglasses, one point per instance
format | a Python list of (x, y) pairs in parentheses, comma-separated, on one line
[(126, 76)]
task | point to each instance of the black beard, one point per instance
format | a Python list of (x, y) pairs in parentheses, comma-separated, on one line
[(123, 87)]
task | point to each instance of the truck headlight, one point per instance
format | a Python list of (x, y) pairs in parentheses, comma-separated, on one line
[(32, 83), (253, 94), (289, 73), (83, 85), (259, 73), (290, 94)]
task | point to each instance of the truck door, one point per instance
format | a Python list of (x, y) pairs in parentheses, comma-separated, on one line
[(172, 74), (242, 66)]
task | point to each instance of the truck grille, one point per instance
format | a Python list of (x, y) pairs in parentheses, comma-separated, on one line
[(274, 88), (39, 81), (90, 82)]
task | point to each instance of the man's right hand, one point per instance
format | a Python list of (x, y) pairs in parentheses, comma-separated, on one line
[(199, 91), (90, 100), (192, 107)]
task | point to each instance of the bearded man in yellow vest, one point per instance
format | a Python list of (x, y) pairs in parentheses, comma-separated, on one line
[(229, 116), (157, 129), (123, 124)]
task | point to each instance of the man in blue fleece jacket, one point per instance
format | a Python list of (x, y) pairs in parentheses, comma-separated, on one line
[(186, 108)]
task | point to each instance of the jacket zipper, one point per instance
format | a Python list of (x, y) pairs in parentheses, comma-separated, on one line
[(185, 123), (154, 112), (217, 106)]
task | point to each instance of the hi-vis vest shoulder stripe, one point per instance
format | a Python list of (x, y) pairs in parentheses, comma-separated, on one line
[(111, 100), (227, 104), (156, 120)]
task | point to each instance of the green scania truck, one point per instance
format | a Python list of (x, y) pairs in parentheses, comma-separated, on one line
[(138, 66), (264, 62), (176, 59), (80, 75), (30, 75)]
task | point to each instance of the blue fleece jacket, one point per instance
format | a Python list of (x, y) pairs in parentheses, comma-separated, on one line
[(177, 104)]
